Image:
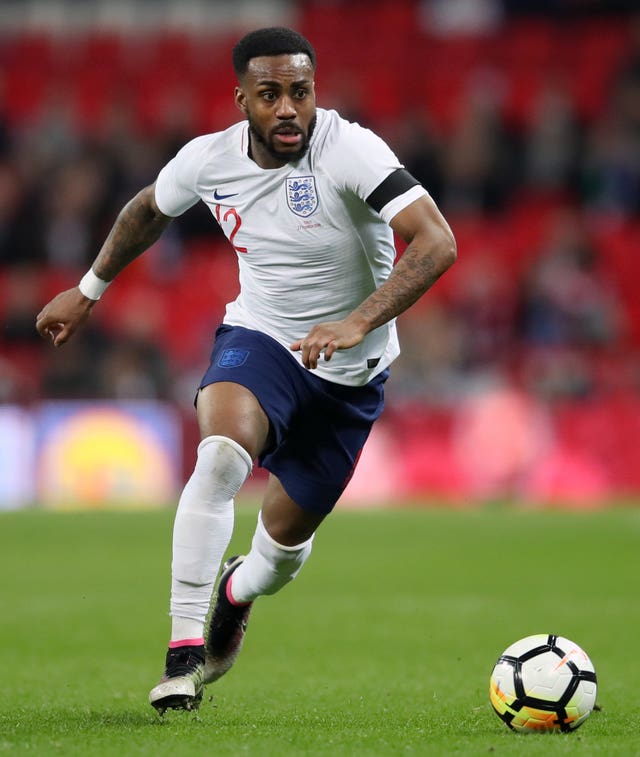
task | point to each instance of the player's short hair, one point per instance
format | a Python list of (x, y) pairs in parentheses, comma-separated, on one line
[(275, 40)]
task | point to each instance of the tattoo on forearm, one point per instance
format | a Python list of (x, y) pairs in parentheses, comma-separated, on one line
[(136, 228), (410, 279)]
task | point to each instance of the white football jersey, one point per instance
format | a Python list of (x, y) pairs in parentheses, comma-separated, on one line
[(310, 249)]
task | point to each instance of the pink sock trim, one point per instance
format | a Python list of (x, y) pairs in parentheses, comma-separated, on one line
[(230, 595), (186, 643)]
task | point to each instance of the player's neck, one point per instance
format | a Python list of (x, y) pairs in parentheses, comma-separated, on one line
[(262, 157)]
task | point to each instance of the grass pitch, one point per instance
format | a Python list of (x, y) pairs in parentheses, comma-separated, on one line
[(382, 646)]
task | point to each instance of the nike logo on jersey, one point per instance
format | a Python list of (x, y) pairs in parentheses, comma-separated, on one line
[(218, 196)]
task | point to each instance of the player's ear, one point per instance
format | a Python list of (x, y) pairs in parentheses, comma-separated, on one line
[(241, 99)]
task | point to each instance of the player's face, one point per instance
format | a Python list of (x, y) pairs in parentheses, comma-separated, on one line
[(278, 98)]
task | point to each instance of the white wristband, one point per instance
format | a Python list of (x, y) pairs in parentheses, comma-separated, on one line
[(91, 286)]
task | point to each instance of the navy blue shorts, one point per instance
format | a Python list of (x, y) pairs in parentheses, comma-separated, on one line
[(318, 428)]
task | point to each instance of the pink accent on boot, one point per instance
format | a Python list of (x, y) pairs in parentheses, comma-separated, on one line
[(230, 595)]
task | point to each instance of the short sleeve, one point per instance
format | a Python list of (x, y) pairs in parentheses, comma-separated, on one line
[(360, 160), (176, 186), (391, 209)]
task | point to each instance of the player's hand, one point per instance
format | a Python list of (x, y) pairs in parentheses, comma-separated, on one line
[(61, 317), (327, 338)]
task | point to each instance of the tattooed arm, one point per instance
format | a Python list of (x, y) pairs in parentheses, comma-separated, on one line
[(139, 224), (431, 250)]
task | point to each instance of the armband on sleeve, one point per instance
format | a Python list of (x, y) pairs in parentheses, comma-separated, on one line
[(396, 184)]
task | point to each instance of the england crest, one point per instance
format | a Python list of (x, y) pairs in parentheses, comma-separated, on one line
[(302, 197), (233, 358)]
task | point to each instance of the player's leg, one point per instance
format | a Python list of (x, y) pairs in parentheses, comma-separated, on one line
[(285, 521), (310, 468), (281, 544), (234, 429)]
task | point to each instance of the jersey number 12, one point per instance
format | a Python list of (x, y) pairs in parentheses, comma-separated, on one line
[(237, 223)]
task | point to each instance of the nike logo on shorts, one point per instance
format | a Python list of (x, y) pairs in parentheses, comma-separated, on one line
[(218, 196)]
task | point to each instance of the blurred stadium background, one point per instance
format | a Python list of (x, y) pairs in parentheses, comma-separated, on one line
[(520, 373)]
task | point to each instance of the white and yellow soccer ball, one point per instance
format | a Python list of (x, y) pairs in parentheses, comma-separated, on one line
[(543, 683)]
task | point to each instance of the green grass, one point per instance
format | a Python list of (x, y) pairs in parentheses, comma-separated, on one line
[(382, 646)]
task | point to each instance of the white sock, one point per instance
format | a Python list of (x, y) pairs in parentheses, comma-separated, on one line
[(268, 566), (202, 531), (186, 630)]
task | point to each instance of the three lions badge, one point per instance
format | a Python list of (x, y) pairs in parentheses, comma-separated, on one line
[(302, 197)]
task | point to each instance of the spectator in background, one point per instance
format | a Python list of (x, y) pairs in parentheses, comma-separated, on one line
[(552, 140), (478, 161), (18, 233), (77, 192), (135, 364), (567, 298), (611, 173), (78, 373), (570, 312), (22, 291), (484, 299), (421, 149), (433, 368), (133, 369), (51, 136)]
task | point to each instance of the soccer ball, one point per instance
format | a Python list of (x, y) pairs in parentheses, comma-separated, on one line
[(543, 683)]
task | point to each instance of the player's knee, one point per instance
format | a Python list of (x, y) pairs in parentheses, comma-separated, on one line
[(224, 463)]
